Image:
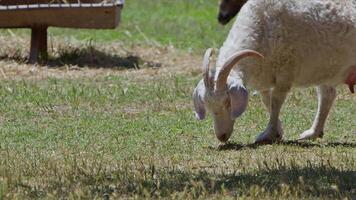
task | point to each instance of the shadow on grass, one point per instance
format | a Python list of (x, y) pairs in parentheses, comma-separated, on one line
[(87, 56), (325, 182), (94, 58), (305, 181), (15, 55), (281, 181), (302, 144)]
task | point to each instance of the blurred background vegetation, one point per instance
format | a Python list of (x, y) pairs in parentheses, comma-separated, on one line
[(184, 24)]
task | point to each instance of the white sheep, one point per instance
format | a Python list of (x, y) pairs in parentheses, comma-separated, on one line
[(304, 43)]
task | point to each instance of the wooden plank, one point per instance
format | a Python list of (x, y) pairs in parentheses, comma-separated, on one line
[(27, 2), (73, 5), (74, 16)]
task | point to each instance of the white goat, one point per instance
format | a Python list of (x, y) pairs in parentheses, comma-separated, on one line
[(304, 43)]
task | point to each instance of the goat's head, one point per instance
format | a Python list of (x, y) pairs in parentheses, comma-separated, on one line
[(224, 97), (228, 9)]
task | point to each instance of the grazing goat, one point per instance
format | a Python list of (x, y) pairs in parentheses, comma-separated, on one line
[(229, 9), (304, 43)]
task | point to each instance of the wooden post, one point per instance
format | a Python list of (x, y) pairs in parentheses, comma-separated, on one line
[(38, 51)]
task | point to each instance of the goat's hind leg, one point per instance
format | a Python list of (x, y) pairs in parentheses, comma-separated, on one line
[(326, 97)]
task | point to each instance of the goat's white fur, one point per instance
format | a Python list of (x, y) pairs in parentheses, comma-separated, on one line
[(305, 43)]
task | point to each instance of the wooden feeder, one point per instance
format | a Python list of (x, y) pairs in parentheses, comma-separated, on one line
[(38, 15)]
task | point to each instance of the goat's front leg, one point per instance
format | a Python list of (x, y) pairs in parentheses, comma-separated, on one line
[(274, 99), (326, 97), (266, 99)]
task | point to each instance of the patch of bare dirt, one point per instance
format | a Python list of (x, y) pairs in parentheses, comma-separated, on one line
[(73, 59)]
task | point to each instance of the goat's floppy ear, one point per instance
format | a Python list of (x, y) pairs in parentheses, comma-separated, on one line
[(198, 101), (238, 99)]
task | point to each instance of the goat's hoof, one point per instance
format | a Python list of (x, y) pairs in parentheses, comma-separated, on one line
[(270, 135), (311, 135), (268, 138)]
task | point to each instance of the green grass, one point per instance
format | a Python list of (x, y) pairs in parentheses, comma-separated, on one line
[(184, 24), (131, 134), (112, 136)]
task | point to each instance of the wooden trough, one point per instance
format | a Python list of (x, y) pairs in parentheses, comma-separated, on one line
[(38, 15)]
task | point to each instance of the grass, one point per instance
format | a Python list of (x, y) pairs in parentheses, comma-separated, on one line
[(107, 119), (120, 137)]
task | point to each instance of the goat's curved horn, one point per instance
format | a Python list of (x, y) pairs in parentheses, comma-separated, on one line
[(230, 63), (208, 81)]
